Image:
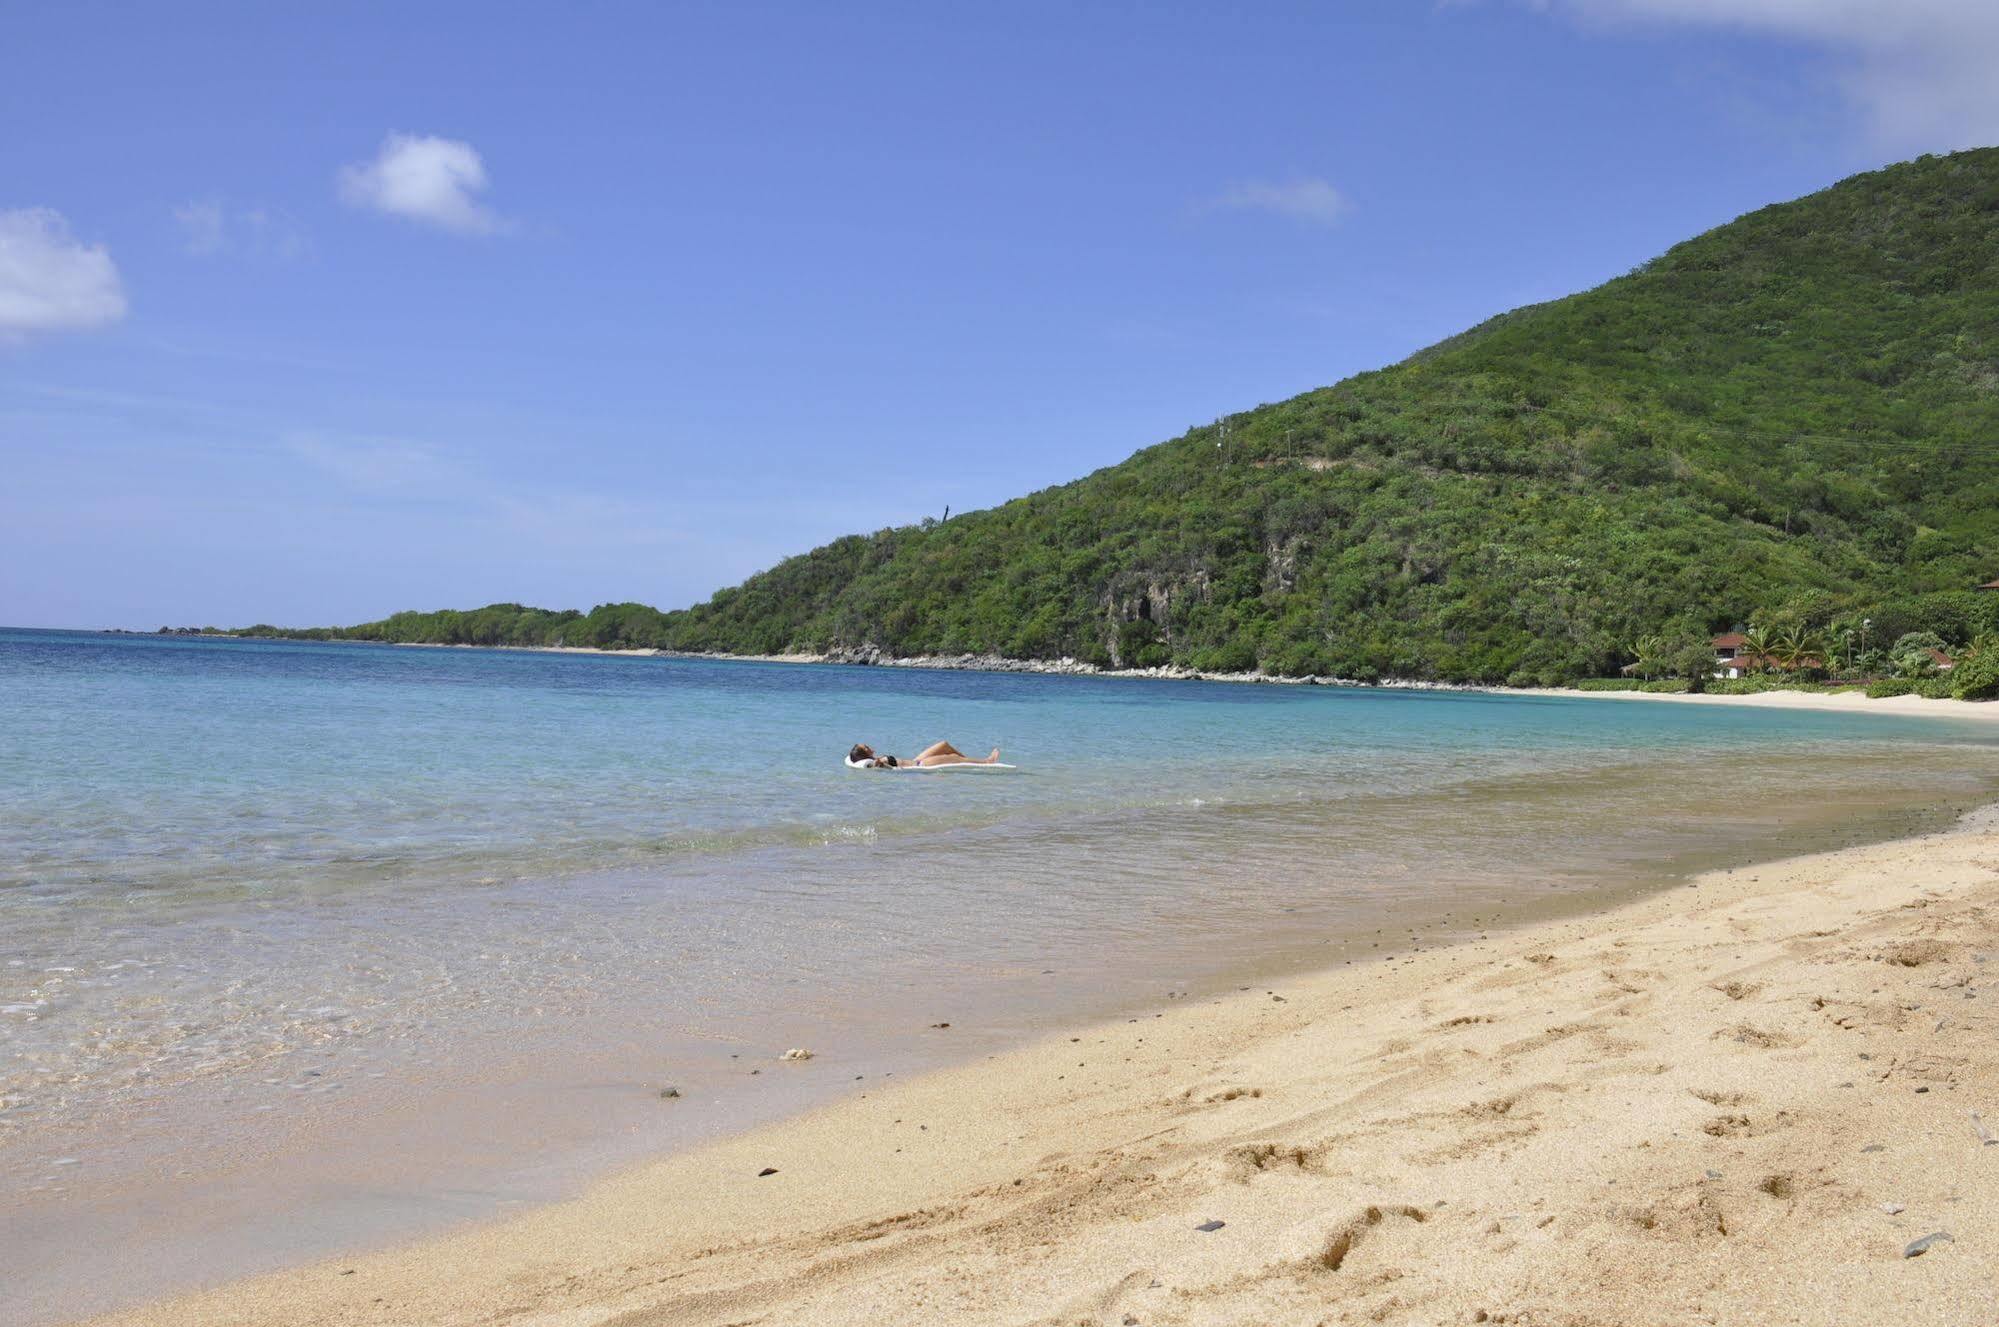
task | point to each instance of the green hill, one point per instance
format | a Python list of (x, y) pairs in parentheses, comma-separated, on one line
[(1792, 418)]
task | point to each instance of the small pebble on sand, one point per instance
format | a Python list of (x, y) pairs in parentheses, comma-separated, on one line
[(1917, 1247)]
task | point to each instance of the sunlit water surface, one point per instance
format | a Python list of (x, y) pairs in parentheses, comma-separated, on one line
[(304, 946)]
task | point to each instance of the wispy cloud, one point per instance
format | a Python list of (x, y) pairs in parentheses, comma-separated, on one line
[(210, 227), (1920, 71), (50, 281), (1302, 199), (436, 181), (202, 225), (377, 467)]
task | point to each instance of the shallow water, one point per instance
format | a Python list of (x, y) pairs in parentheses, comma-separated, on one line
[(304, 946)]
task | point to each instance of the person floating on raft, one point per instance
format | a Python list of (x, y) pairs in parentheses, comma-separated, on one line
[(937, 753)]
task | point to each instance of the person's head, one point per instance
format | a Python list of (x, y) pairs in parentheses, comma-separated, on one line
[(862, 751)]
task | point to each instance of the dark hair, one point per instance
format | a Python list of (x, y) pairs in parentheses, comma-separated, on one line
[(861, 751)]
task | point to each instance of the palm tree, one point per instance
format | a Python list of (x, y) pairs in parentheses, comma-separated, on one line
[(1839, 647), (1796, 650), (1816, 648), (1650, 652), (1758, 647)]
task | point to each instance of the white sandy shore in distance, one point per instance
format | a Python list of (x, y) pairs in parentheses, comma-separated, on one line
[(1733, 1102), (1842, 702), (1845, 702)]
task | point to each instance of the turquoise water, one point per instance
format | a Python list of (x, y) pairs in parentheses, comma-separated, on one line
[(247, 886), (158, 774)]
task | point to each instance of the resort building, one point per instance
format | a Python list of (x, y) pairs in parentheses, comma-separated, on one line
[(1732, 657)]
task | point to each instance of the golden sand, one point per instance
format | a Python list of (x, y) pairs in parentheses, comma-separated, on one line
[(1734, 1102)]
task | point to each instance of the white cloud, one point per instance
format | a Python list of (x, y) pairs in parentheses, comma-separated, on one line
[(1921, 71), (1302, 199), (50, 281), (433, 180), (209, 227)]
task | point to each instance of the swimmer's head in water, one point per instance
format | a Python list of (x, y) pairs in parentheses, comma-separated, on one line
[(862, 751)]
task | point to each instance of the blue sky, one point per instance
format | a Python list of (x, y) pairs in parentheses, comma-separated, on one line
[(310, 313)]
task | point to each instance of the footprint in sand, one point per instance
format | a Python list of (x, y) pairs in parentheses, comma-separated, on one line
[(1349, 1237), (1207, 1094), (1246, 1162), (1748, 1034)]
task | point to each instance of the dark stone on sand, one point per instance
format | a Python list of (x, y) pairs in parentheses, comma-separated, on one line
[(1206, 1226), (767, 1170), (668, 1093), (1918, 1247)]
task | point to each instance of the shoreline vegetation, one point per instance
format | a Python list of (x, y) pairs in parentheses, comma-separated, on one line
[(1770, 691), (1763, 1094)]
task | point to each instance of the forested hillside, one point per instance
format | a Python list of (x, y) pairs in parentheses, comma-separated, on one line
[(1791, 419)]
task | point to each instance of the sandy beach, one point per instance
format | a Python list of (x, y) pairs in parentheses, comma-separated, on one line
[(1746, 1100), (1839, 702)]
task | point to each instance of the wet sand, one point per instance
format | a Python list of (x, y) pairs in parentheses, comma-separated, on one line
[(1739, 1101)]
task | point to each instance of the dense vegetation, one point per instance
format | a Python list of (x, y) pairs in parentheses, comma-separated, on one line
[(1792, 421)]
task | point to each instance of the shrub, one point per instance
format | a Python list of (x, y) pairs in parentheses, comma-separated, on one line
[(1135, 641), (1976, 676), (1935, 688), (1300, 661), (1911, 653), (1237, 656), (1890, 686)]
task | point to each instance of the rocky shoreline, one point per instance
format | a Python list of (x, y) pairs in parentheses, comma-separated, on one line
[(869, 656)]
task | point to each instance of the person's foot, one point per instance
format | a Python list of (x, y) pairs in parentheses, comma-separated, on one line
[(993, 759)]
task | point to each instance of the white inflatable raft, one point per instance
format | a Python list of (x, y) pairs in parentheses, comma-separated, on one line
[(926, 769)]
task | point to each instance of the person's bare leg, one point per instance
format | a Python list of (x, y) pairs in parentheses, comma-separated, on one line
[(935, 749), (959, 758)]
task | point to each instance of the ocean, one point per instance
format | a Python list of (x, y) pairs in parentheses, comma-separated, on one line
[(308, 946)]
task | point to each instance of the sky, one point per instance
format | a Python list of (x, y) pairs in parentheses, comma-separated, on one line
[(313, 313)]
